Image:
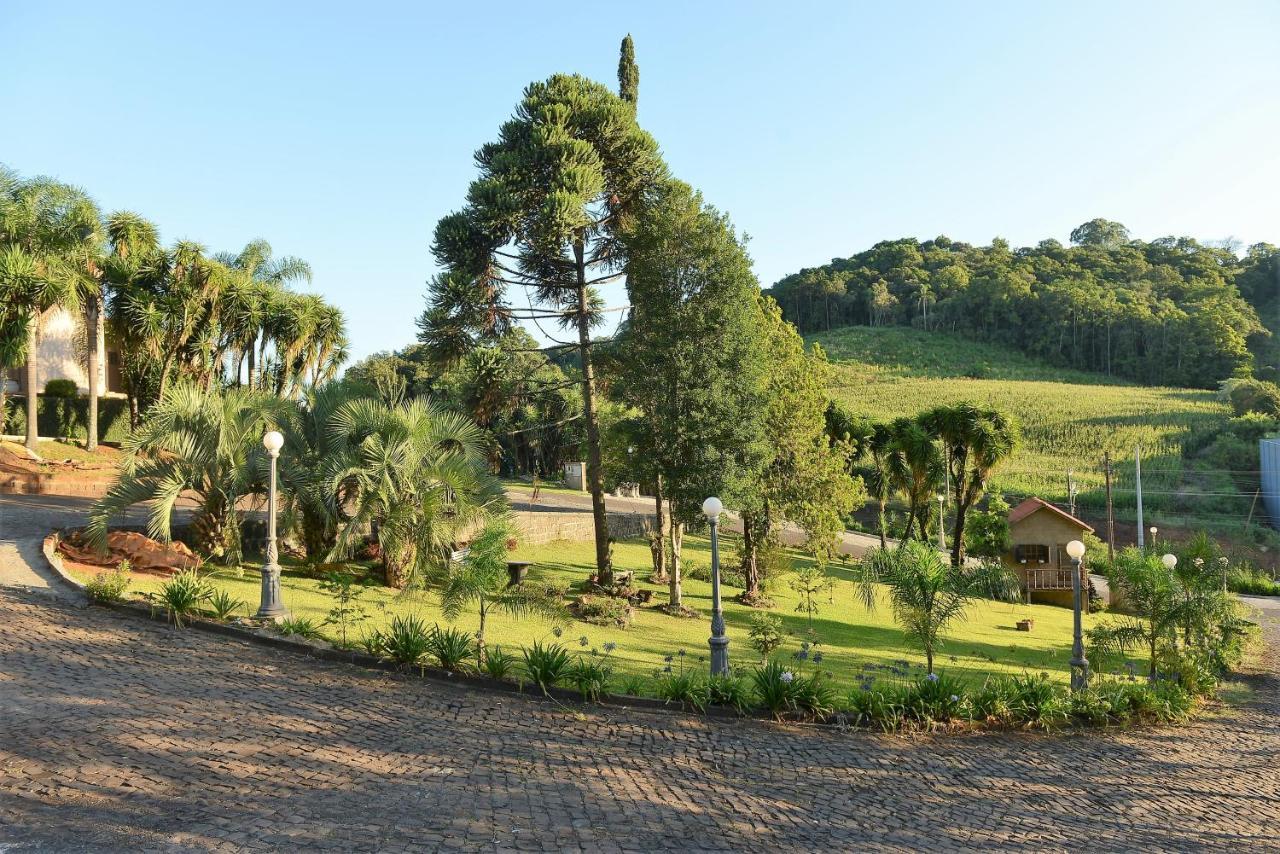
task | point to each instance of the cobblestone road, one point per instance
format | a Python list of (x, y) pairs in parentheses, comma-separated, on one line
[(117, 734)]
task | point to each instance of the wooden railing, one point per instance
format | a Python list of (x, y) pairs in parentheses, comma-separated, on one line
[(1048, 577)]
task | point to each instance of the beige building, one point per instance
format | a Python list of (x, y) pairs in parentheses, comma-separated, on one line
[(61, 355), (1038, 537)]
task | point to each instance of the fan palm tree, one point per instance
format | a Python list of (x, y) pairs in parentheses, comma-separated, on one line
[(481, 578), (42, 224), (976, 441), (135, 245), (926, 597), (914, 465), (199, 442), (417, 475)]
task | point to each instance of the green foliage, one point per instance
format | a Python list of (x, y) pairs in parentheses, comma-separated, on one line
[(935, 697), (303, 627), (603, 611), (687, 689), (223, 605), (1250, 396), (406, 641), (60, 417), (731, 692), (775, 687), (450, 647), (498, 664), (347, 609), (109, 586), (810, 582), (766, 633), (182, 596), (1163, 312), (546, 664), (591, 673), (729, 576), (986, 533), (61, 388)]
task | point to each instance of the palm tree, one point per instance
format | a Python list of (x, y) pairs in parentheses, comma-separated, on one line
[(915, 467), (481, 578), (878, 477), (1151, 591), (927, 598), (976, 441), (135, 245), (417, 475), (42, 223), (193, 441), (267, 273)]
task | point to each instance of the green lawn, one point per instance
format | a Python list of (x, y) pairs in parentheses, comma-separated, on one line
[(850, 637), (1068, 418)]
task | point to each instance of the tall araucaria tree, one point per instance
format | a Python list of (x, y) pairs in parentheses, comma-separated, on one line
[(544, 217), (689, 358), (628, 72)]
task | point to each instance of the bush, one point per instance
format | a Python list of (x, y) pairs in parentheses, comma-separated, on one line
[(222, 605), (591, 674), (766, 635), (731, 692), (108, 586), (52, 415), (813, 695), (603, 611), (61, 388), (775, 689), (632, 686), (182, 595), (546, 665), (499, 664), (729, 576), (688, 689), (993, 703), (406, 641), (876, 707), (302, 627), (450, 647), (934, 698), (1037, 701)]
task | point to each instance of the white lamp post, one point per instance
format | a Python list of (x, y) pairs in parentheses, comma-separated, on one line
[(712, 508), (1152, 531), (271, 607), (942, 521), (1079, 664), (1169, 561)]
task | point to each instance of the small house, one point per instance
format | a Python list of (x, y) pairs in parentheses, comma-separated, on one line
[(1038, 537)]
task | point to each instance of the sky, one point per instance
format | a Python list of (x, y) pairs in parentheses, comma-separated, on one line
[(342, 132)]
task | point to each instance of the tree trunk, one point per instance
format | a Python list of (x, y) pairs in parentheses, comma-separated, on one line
[(884, 524), (33, 400), (95, 368), (750, 561), (595, 465), (957, 535), (677, 541), (134, 416), (659, 543), (250, 351)]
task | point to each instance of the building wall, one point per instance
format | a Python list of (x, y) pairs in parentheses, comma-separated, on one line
[(57, 356)]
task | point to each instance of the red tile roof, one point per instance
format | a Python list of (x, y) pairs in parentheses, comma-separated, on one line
[(1031, 505)]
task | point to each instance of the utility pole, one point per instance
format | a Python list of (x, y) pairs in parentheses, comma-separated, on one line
[(1137, 472), (1071, 490), (1111, 518)]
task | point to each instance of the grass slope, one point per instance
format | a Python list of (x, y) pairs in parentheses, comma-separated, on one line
[(850, 637), (1068, 418)]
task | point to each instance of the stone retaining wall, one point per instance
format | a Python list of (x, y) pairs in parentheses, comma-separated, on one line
[(546, 526)]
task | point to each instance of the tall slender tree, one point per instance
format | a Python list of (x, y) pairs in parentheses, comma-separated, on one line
[(544, 216), (628, 73)]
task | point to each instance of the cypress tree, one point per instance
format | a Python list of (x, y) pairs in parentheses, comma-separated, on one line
[(628, 73)]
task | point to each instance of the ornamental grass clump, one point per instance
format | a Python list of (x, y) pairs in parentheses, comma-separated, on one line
[(301, 627), (406, 641), (935, 698), (591, 673), (182, 596), (499, 664), (109, 586), (222, 605), (451, 647), (730, 691), (546, 664)]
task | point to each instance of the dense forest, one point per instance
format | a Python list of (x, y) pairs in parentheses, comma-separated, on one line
[(1172, 311)]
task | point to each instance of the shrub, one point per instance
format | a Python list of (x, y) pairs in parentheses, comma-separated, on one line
[(303, 627), (109, 586), (874, 707), (774, 688), (603, 611), (729, 576), (499, 664), (1037, 701), (222, 605), (632, 686), (546, 665), (406, 641), (685, 688), (61, 388), (347, 609), (591, 673), (182, 595), (935, 697), (729, 691), (813, 695), (765, 631), (994, 701), (451, 647)]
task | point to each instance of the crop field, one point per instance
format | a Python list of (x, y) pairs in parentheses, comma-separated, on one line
[(1069, 419)]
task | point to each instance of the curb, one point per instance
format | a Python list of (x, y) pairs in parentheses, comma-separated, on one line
[(325, 652)]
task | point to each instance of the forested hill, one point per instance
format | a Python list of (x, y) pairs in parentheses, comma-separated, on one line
[(1171, 311)]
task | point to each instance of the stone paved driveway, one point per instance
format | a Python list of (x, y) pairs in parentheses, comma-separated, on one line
[(121, 735)]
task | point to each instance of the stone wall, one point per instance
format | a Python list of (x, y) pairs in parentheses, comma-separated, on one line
[(546, 526)]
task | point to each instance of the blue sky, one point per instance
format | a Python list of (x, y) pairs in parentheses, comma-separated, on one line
[(341, 132)]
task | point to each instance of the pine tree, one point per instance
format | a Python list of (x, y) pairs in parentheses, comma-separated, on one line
[(545, 217), (628, 73)]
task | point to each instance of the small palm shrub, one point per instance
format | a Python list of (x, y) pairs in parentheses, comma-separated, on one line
[(109, 586), (302, 627), (498, 663), (406, 641), (451, 647), (182, 595), (546, 665), (222, 605)]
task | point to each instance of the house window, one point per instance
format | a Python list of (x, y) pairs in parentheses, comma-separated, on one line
[(1031, 554)]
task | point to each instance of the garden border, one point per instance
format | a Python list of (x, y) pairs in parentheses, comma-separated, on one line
[(334, 655)]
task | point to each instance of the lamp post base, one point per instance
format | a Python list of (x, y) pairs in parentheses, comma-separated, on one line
[(719, 655), (1079, 674), (272, 607)]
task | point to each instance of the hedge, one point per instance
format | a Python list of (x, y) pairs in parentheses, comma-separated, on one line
[(60, 416)]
